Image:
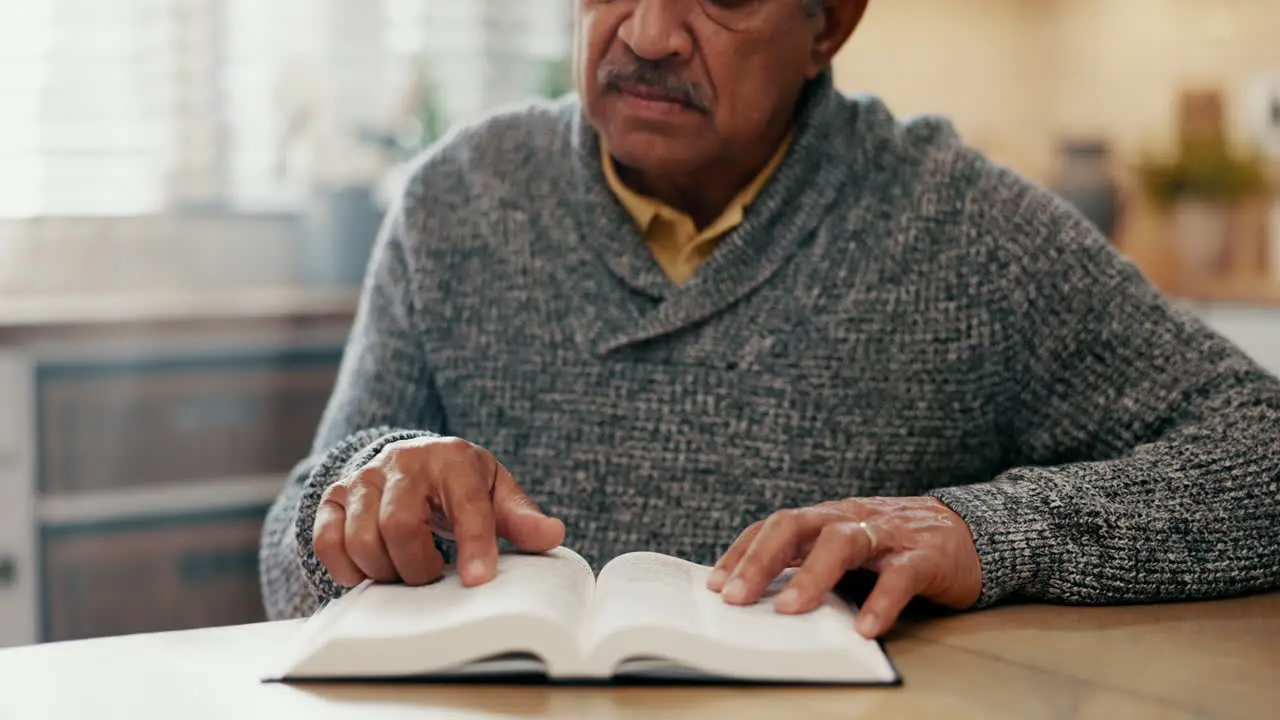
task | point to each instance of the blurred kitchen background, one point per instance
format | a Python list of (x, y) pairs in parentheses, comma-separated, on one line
[(189, 190)]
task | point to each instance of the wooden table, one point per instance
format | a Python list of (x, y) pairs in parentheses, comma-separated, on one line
[(1172, 661)]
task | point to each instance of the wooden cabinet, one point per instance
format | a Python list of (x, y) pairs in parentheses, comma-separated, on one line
[(159, 420), (155, 473), (18, 568), (136, 470), (157, 573)]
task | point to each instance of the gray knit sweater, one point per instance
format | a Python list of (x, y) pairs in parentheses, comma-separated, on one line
[(895, 316)]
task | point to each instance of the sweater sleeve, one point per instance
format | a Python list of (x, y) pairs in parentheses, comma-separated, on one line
[(1144, 448), (384, 393)]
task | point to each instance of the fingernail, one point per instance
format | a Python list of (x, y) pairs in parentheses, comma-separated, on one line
[(787, 600), (717, 578), (736, 591), (868, 624), (477, 570)]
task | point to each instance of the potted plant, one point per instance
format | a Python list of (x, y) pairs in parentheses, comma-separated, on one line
[(329, 150), (555, 78), (423, 122), (1201, 187)]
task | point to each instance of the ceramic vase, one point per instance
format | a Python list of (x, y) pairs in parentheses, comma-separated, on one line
[(1084, 180), (1201, 232), (339, 229)]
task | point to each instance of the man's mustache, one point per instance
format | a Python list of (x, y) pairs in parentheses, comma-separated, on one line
[(655, 75)]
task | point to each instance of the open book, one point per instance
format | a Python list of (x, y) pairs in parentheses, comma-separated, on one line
[(647, 616)]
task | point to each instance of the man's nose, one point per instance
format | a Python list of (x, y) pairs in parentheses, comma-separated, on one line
[(659, 29)]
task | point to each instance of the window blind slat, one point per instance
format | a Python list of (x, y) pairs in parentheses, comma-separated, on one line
[(124, 107)]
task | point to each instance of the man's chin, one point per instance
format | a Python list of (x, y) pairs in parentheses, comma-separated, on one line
[(655, 158), (658, 151)]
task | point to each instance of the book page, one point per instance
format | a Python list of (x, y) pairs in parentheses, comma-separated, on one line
[(644, 589), (652, 590), (535, 604), (760, 627), (556, 586), (654, 606)]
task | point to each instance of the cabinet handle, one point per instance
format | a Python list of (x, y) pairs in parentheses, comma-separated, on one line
[(8, 571)]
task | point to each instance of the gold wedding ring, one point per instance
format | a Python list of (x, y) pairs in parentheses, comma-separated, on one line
[(871, 535)]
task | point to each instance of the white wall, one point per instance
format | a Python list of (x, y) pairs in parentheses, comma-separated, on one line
[(977, 61), (1119, 65), (1018, 75)]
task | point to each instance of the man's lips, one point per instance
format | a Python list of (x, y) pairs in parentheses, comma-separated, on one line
[(654, 95)]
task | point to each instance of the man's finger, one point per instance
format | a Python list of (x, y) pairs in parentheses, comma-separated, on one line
[(840, 547), (728, 562), (364, 539), (519, 520), (405, 520), (328, 538), (902, 577), (469, 505), (771, 552)]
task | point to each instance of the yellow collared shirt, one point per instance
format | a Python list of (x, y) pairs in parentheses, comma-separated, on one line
[(677, 244)]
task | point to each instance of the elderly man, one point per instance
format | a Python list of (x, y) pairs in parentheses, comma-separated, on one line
[(710, 293)]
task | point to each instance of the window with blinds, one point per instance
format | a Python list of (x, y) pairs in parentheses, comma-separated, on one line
[(86, 106), (134, 107)]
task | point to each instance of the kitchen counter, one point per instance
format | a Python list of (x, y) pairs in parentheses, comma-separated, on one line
[(1252, 293), (1247, 312), (62, 311), (65, 310)]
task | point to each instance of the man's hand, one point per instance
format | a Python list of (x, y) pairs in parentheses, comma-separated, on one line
[(378, 522), (917, 545)]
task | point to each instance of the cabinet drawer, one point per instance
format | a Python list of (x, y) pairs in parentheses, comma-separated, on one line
[(115, 425), (15, 410), (19, 572), (164, 575)]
